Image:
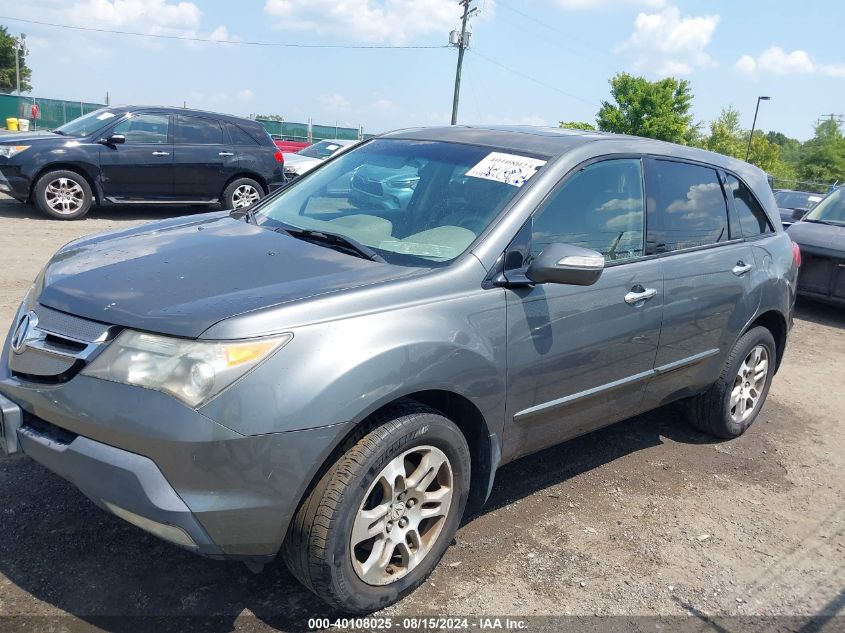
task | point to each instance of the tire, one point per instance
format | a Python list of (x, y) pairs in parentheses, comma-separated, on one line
[(319, 550), (241, 193), (63, 195), (719, 411)]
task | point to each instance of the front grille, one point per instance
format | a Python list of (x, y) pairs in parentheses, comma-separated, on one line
[(367, 186), (54, 346), (47, 429), (819, 274)]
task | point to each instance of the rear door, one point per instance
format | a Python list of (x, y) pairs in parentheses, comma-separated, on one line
[(141, 169), (204, 159), (707, 272), (579, 357)]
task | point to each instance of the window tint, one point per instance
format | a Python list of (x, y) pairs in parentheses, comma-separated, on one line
[(238, 136), (600, 207), (144, 128), (686, 206), (752, 218), (194, 130)]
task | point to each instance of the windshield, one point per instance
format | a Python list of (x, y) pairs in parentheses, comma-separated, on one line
[(831, 209), (88, 124), (796, 199), (415, 203), (323, 149)]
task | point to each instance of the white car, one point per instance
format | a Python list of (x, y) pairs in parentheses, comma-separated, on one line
[(308, 158)]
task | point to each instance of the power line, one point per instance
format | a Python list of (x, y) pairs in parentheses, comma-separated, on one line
[(530, 78), (218, 41)]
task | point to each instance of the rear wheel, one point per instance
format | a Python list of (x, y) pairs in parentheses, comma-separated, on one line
[(63, 195), (732, 404), (241, 193), (380, 519)]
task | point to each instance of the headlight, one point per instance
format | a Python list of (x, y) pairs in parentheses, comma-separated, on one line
[(192, 371), (8, 151)]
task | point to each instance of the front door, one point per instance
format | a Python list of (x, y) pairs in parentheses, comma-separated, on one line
[(141, 169), (579, 357), (204, 160)]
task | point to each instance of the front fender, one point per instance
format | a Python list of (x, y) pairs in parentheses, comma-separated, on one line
[(342, 370)]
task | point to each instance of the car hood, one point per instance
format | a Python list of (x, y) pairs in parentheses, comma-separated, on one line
[(822, 239), (26, 137), (301, 163), (180, 277)]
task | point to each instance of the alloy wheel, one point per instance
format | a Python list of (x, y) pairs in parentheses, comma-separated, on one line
[(749, 384), (244, 196), (64, 196)]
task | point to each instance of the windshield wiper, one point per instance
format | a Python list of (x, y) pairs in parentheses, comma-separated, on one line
[(826, 222), (333, 239), (59, 132)]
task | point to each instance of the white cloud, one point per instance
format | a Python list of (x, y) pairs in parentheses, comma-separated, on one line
[(670, 44), (150, 16), (245, 95), (776, 61), (578, 5), (392, 21), (384, 105), (333, 103)]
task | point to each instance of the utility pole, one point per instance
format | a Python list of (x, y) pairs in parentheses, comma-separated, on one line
[(753, 125), (20, 49), (462, 44)]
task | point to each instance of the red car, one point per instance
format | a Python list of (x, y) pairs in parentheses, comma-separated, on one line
[(288, 147)]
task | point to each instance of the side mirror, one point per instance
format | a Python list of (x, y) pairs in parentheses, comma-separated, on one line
[(565, 264), (797, 214), (114, 139)]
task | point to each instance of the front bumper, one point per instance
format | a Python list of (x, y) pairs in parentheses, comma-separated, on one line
[(13, 182)]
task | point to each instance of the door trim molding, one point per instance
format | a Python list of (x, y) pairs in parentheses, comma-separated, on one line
[(602, 389)]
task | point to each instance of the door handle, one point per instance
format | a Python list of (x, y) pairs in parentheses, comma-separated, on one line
[(741, 268), (161, 153), (636, 295), (225, 153)]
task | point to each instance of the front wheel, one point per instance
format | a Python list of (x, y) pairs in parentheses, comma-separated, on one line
[(380, 519), (241, 193), (63, 195), (732, 404)]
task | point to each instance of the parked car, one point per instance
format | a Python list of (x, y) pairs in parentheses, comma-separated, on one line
[(793, 205), (141, 155), (308, 158), (384, 187), (340, 381), (288, 146), (821, 237)]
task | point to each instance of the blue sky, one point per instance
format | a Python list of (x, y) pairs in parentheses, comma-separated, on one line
[(531, 61)]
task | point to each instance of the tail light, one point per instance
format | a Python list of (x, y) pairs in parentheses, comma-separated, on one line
[(796, 254), (279, 157)]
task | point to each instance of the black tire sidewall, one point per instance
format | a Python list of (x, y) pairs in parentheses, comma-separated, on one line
[(752, 338), (426, 429), (229, 192), (40, 189)]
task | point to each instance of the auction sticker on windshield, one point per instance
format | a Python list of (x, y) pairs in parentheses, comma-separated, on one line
[(510, 169)]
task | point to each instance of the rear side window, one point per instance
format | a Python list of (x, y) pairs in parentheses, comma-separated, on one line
[(686, 206), (600, 207), (238, 136), (752, 219), (194, 130)]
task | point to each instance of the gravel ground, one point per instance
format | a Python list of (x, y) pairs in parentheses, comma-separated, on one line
[(643, 518)]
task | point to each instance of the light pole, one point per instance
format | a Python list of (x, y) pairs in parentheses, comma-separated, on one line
[(462, 43), (753, 125)]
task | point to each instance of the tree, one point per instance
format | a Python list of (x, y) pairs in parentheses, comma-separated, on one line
[(577, 125), (8, 80), (823, 156), (726, 134), (654, 109)]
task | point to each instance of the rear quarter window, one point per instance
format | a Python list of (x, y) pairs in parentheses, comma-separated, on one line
[(750, 216)]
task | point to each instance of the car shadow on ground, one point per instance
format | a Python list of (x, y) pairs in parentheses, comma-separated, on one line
[(71, 556), (14, 210), (820, 313)]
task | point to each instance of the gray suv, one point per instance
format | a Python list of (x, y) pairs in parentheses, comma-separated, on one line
[(340, 381)]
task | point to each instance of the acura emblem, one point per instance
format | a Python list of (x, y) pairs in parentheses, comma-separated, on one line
[(23, 332)]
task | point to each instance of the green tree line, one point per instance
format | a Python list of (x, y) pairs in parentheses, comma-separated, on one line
[(663, 110)]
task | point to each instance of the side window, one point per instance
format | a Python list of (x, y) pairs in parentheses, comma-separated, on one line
[(144, 128), (752, 218), (194, 130), (238, 136), (601, 207), (686, 206)]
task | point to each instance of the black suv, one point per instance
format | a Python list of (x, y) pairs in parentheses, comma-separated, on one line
[(141, 155)]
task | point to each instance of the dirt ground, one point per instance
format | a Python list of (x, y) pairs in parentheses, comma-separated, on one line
[(643, 518)]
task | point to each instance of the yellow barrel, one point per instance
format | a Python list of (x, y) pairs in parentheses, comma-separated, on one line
[(12, 124)]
